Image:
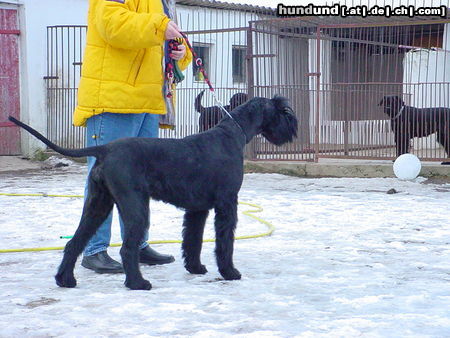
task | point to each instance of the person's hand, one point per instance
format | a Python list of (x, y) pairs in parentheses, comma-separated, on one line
[(178, 54), (172, 31)]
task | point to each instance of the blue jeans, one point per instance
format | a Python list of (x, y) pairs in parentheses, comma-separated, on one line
[(102, 129)]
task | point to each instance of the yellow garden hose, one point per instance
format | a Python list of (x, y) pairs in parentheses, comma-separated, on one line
[(248, 213), (41, 195)]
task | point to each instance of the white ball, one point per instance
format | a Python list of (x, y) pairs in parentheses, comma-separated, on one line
[(407, 167)]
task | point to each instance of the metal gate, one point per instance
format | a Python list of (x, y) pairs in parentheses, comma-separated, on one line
[(9, 82), (65, 45), (279, 63)]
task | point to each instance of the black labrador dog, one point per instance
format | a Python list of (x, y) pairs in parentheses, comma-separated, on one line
[(196, 173), (409, 122), (210, 116)]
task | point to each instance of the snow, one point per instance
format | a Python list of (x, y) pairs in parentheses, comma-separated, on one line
[(346, 260)]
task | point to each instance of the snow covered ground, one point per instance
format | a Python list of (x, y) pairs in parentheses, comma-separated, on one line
[(346, 260)]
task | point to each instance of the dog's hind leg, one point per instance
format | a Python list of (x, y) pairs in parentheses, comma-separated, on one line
[(193, 226), (225, 225), (134, 210), (97, 207)]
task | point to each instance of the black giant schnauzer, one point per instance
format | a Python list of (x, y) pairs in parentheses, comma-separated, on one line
[(197, 173), (409, 122), (210, 116)]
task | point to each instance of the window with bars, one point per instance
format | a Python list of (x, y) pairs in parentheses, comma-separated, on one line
[(203, 52)]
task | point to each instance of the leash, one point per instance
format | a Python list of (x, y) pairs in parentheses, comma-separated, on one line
[(173, 71), (198, 61)]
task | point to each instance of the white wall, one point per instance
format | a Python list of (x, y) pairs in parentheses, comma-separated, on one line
[(428, 68), (37, 15), (192, 18)]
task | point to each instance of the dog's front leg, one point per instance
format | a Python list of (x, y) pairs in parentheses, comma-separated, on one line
[(402, 136), (225, 225), (193, 226), (402, 143), (130, 260)]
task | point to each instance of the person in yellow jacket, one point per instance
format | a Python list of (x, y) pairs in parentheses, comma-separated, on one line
[(123, 91)]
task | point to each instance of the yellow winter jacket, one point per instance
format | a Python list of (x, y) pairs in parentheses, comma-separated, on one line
[(122, 68)]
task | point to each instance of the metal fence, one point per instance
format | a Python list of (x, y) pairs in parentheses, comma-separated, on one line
[(65, 46), (335, 71), (367, 63)]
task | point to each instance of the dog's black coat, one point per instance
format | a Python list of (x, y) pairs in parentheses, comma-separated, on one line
[(197, 173), (210, 116), (416, 122)]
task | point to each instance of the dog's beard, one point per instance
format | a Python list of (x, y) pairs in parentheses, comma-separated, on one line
[(283, 130)]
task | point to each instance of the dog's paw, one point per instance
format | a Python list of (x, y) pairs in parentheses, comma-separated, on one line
[(141, 284), (230, 274), (65, 281), (197, 269)]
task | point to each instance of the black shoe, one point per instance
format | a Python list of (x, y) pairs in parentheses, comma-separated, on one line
[(151, 257), (101, 263)]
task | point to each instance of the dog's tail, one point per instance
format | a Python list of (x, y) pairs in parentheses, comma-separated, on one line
[(97, 151), (198, 102)]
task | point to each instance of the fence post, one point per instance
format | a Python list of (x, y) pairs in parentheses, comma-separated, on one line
[(250, 151), (317, 112)]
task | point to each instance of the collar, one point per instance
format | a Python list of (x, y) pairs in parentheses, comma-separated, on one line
[(399, 113), (232, 118)]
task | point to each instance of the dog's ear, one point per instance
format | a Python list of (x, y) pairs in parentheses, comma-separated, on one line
[(399, 100), (288, 110), (283, 119), (389, 100), (281, 103), (238, 99)]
